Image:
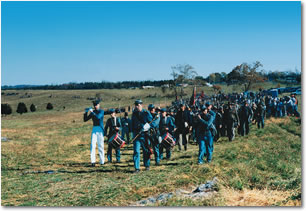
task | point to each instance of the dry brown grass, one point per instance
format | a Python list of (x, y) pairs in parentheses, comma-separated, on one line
[(256, 197), (285, 120)]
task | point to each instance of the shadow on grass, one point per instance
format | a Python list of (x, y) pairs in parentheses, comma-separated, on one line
[(126, 153), (84, 164), (93, 170), (185, 156), (3, 169), (170, 164)]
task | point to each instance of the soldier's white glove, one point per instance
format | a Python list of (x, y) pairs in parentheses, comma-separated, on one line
[(146, 127), (186, 124), (160, 139), (90, 110)]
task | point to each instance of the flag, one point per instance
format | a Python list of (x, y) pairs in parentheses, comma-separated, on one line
[(193, 97)]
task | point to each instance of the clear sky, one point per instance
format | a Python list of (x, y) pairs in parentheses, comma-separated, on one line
[(61, 42)]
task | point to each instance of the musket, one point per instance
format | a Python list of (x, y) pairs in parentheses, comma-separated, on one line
[(150, 149), (143, 131)]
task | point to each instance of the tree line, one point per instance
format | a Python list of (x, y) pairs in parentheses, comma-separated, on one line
[(244, 74), (95, 85)]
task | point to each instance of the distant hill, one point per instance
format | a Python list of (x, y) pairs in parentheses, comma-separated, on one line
[(93, 85), (23, 86)]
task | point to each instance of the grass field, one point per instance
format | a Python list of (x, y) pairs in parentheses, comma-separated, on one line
[(46, 160)]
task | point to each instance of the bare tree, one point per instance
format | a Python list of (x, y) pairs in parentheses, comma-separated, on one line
[(187, 71), (246, 74), (182, 73), (175, 76)]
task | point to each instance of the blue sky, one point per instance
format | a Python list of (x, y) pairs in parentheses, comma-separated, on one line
[(61, 42)]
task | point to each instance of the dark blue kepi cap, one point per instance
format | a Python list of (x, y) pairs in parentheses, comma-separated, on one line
[(112, 110), (95, 102), (151, 106), (137, 102), (203, 107), (163, 110), (207, 104)]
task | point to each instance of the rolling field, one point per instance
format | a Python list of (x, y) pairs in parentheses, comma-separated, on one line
[(46, 160)]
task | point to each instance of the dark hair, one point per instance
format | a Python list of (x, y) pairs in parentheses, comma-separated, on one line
[(95, 102)]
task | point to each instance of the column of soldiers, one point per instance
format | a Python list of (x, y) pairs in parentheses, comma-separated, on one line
[(204, 122)]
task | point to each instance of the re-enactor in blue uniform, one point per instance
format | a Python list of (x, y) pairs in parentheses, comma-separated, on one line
[(112, 126), (154, 134), (204, 136), (97, 134), (126, 127), (140, 124), (166, 125)]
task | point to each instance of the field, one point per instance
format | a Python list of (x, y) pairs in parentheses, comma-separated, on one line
[(45, 160)]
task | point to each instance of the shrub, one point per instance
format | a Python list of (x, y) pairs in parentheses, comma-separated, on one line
[(49, 106), (33, 108), (21, 108), (6, 109)]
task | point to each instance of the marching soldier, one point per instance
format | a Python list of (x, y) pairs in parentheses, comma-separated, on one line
[(224, 117), (183, 123), (245, 113), (204, 136), (126, 127), (97, 134), (153, 134), (254, 107), (212, 128), (166, 125), (218, 123), (140, 124), (260, 115), (232, 120), (113, 124)]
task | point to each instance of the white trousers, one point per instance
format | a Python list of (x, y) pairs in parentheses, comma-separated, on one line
[(97, 137)]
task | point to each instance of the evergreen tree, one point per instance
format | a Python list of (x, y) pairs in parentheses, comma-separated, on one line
[(33, 108), (21, 108), (6, 109), (49, 106)]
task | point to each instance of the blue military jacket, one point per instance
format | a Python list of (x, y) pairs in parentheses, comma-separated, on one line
[(155, 123), (166, 122), (204, 124), (126, 124), (97, 118), (110, 126), (139, 119)]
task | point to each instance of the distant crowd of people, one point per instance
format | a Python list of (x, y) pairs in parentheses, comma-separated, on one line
[(203, 120)]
